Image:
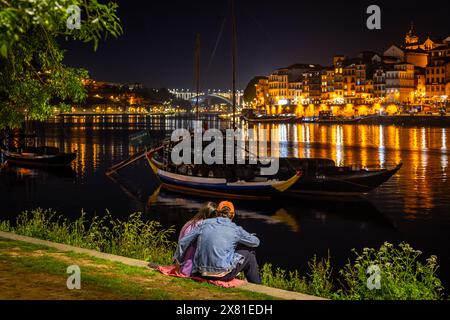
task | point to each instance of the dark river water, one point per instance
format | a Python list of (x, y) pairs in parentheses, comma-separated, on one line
[(414, 206)]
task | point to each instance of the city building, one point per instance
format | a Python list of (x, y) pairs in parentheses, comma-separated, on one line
[(287, 85), (262, 91), (338, 64), (279, 86), (400, 84), (419, 85), (328, 91), (379, 82), (438, 79), (412, 71)]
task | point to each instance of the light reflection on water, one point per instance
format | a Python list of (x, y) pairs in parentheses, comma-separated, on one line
[(418, 188), (413, 206)]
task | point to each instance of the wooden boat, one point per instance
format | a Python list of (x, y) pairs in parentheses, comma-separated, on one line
[(237, 182), (39, 157), (333, 120), (270, 119), (322, 178), (326, 117)]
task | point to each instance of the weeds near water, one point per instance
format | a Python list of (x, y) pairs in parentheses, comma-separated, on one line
[(403, 276), (318, 281), (134, 238)]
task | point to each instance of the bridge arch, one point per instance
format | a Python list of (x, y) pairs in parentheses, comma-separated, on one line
[(203, 98)]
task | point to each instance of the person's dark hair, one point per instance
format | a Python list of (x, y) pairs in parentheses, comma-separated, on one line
[(206, 212), (225, 213)]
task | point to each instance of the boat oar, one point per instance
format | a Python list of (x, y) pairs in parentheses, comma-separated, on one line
[(126, 163)]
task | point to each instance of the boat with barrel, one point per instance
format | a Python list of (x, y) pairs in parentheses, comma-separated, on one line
[(236, 181)]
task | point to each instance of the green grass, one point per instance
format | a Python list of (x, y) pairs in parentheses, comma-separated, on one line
[(127, 282), (134, 238)]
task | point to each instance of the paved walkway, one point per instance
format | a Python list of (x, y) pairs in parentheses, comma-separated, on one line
[(277, 293)]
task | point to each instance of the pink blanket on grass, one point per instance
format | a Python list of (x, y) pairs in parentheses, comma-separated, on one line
[(171, 271)]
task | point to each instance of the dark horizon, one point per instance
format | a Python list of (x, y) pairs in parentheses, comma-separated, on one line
[(157, 47)]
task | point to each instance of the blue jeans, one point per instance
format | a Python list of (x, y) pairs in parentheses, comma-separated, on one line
[(249, 266)]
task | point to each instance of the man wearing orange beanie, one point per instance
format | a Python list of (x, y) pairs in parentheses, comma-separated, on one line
[(216, 256)]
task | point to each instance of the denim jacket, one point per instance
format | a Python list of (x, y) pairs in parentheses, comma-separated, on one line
[(217, 239)]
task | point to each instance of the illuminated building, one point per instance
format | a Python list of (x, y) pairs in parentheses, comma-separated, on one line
[(262, 91), (411, 39), (409, 72), (379, 82), (338, 64), (278, 86), (293, 83), (313, 83), (296, 91), (354, 80), (438, 78), (419, 84), (400, 83), (417, 57), (328, 91)]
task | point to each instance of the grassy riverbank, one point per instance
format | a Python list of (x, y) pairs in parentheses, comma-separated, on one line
[(36, 272), (403, 274)]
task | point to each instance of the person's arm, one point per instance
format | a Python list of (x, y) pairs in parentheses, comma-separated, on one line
[(184, 243), (248, 239)]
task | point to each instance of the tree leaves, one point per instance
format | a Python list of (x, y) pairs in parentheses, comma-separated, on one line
[(33, 79), (4, 51)]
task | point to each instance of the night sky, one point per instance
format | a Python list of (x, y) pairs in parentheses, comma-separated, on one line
[(157, 47)]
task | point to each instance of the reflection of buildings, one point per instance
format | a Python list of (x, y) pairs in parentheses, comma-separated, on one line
[(422, 150)]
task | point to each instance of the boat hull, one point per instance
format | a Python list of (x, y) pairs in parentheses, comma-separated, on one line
[(42, 161), (333, 121), (335, 186), (219, 187), (270, 120)]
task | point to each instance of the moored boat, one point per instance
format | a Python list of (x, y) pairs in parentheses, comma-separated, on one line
[(238, 182), (39, 157), (335, 120), (270, 119), (322, 178)]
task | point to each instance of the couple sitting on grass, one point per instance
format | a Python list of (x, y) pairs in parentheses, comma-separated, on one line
[(213, 247)]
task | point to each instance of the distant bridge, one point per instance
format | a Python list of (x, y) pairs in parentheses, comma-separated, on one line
[(208, 99)]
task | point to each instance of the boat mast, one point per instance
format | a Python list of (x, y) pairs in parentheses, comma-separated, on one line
[(233, 47), (197, 72)]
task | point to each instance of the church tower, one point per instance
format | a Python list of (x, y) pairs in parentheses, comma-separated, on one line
[(411, 39)]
